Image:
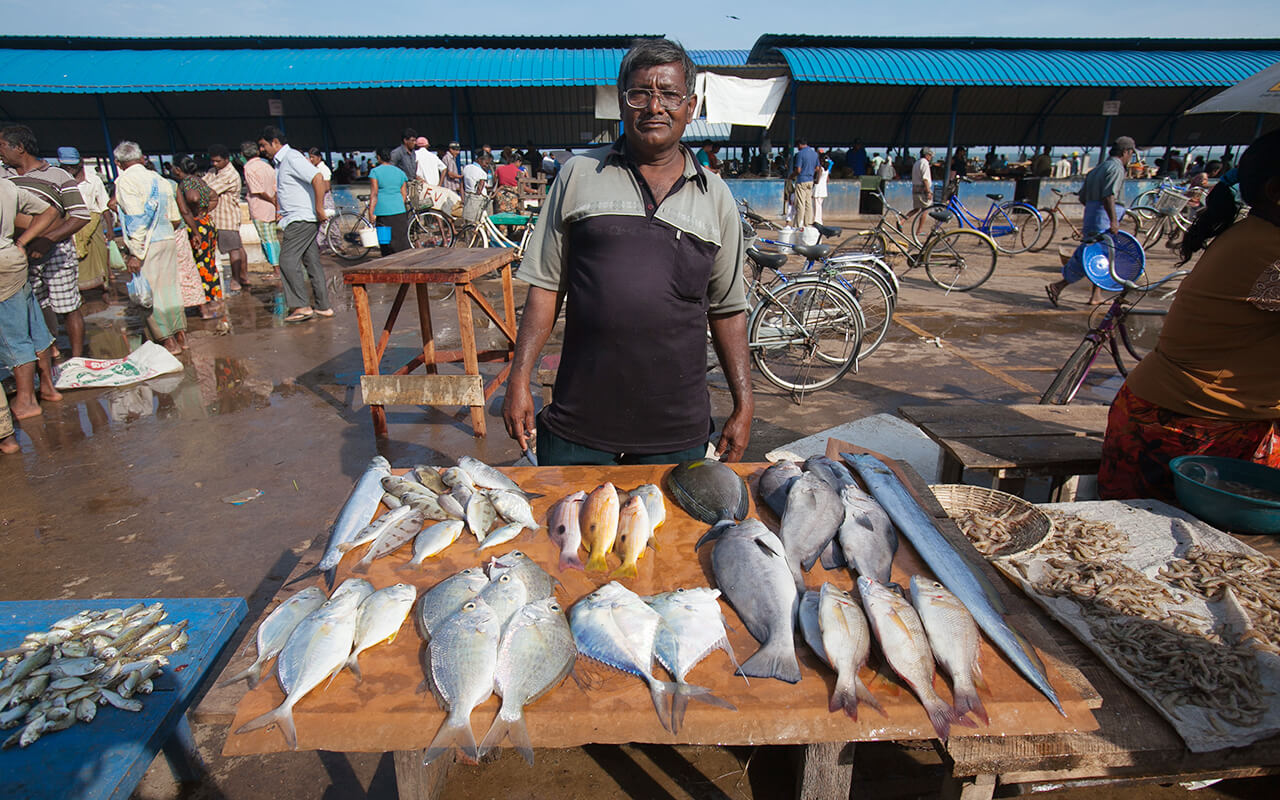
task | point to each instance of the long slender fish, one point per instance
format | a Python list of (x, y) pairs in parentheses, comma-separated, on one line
[(275, 629), (951, 569), (954, 639), (355, 514)]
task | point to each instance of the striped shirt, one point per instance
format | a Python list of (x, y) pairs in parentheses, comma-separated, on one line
[(226, 182)]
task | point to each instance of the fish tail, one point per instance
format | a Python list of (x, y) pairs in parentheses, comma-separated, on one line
[(361, 567), (512, 727), (311, 573), (833, 556), (864, 695), (844, 698), (940, 714), (453, 731), (282, 715), (966, 700), (686, 692), (353, 664), (773, 661), (627, 570), (253, 672), (329, 576), (570, 561), (659, 690), (597, 563)]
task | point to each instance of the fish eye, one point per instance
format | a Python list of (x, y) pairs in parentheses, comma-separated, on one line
[(555, 606), (504, 578), (469, 607), (680, 590)]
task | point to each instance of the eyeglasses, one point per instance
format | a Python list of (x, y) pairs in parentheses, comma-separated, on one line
[(641, 98)]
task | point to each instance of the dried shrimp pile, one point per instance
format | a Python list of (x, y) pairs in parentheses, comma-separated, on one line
[(991, 532), (1082, 539), (1254, 579)]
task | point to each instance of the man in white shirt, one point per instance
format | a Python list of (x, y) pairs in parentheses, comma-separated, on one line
[(476, 174), (300, 190), (922, 180), (430, 167)]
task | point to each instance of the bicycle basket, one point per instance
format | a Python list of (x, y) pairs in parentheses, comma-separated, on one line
[(1129, 256), (474, 207), (1171, 202)]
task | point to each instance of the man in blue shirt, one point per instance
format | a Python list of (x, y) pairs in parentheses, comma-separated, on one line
[(300, 190), (803, 165)]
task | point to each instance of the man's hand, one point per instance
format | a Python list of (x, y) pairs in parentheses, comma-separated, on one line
[(517, 413), (39, 248), (321, 216), (134, 264), (735, 436)]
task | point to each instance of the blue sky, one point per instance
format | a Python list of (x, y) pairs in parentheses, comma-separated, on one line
[(733, 25)]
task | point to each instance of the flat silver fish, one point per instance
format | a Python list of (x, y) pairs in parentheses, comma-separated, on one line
[(463, 657), (446, 597), (502, 535), (692, 627), (379, 619), (434, 539), (867, 536), (505, 594), (536, 579), (359, 587)]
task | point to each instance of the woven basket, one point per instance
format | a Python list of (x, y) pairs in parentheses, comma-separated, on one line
[(1030, 524)]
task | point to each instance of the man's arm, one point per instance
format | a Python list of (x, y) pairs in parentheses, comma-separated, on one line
[(39, 224), (538, 319), (729, 335), (1109, 203), (319, 187)]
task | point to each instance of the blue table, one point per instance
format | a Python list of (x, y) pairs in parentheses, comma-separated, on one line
[(107, 757)]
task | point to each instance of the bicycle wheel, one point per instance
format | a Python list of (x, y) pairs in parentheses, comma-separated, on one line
[(864, 242), (1069, 379), (806, 336), (342, 233), (1158, 230), (959, 260), (1139, 330), (922, 224), (1019, 226), (1148, 198), (875, 298), (1048, 230), (430, 229)]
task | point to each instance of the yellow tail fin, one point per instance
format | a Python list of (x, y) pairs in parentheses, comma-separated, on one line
[(627, 570), (597, 563)]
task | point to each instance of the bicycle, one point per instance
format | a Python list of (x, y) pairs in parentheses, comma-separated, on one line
[(428, 226), (1121, 326), (959, 259), (342, 232), (1013, 226), (1133, 220)]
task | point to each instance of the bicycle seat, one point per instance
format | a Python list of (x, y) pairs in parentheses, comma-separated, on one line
[(816, 252), (996, 197), (774, 261), (941, 215), (826, 230), (362, 197), (1058, 192)]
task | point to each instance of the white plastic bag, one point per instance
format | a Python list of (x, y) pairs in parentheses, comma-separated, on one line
[(140, 291), (145, 363)]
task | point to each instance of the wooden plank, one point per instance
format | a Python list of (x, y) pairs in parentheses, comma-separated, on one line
[(392, 316), (509, 305), (427, 329), (422, 390), (990, 419), (1049, 455), (825, 771), (467, 331), (504, 327), (431, 265), (368, 351), (418, 781)]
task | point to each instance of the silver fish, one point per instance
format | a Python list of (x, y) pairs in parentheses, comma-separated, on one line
[(429, 477), (906, 648), (502, 535), (654, 503), (692, 627), (355, 514), (846, 639), (751, 568), (317, 649), (275, 629), (565, 530), (86, 710), (446, 597), (614, 626), (481, 515), (512, 507), (484, 475), (974, 591), (391, 539), (379, 619), (374, 529), (954, 638), (430, 506), (505, 594), (451, 507), (810, 521), (401, 486), (866, 536), (434, 539), (835, 474), (359, 587), (463, 659), (535, 655), (454, 477), (538, 580), (391, 501), (775, 482), (810, 625)]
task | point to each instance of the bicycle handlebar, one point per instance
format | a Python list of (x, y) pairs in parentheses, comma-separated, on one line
[(1106, 237)]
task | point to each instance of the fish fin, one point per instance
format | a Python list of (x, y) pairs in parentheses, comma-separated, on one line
[(941, 715), (714, 533), (833, 556), (658, 690), (282, 715), (772, 662), (597, 563), (571, 562), (966, 700), (976, 675), (844, 698), (653, 542), (627, 570), (361, 567), (352, 664), (452, 732), (330, 575), (514, 729), (864, 695), (253, 673), (311, 573), (686, 692), (744, 500)]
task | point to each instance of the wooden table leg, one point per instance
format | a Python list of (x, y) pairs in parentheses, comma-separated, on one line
[(416, 781), (978, 787), (509, 306), (368, 351), (428, 333), (466, 328), (825, 771)]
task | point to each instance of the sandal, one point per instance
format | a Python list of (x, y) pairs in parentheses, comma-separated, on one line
[(299, 316), (1053, 296)]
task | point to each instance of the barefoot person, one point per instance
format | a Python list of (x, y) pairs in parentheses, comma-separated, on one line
[(24, 337)]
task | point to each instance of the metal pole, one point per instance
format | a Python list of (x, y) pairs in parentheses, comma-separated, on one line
[(1106, 134), (791, 135), (951, 134), (453, 103), (106, 136), (1257, 129)]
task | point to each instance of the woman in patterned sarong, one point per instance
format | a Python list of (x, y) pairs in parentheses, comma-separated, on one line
[(196, 202)]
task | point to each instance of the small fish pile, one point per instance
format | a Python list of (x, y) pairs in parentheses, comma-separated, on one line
[(59, 677), (313, 639), (503, 632), (607, 520)]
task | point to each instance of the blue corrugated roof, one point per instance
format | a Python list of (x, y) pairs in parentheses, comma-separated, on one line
[(956, 67), (719, 58), (69, 71)]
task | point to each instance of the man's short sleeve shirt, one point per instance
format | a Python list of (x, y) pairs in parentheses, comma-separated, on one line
[(1106, 180), (226, 182), (806, 160)]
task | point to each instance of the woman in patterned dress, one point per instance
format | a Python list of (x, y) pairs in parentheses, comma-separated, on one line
[(196, 202)]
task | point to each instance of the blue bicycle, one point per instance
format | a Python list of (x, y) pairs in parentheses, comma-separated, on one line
[(1013, 226)]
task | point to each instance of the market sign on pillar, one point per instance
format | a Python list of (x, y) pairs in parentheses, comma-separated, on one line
[(1110, 108), (275, 107)]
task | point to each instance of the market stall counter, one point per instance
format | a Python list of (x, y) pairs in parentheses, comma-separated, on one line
[(388, 710)]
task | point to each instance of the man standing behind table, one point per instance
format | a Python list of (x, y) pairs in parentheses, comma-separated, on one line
[(53, 268), (645, 249), (224, 180), (260, 187), (146, 203), (922, 180), (300, 192), (803, 166), (856, 159), (452, 172), (91, 244), (404, 155)]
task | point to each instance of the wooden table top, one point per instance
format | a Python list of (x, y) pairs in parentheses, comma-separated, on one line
[(431, 265), (991, 436)]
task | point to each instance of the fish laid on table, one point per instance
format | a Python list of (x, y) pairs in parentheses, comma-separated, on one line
[(359, 587), (654, 503), (379, 619), (501, 535), (513, 507), (835, 474), (454, 477), (692, 627), (954, 638), (866, 535), (906, 649), (402, 486), (463, 657), (599, 525), (482, 474), (505, 594), (975, 592), (634, 532), (355, 514), (317, 649), (275, 629), (391, 540), (775, 482), (481, 515), (809, 523), (429, 477), (709, 490), (565, 530), (751, 570), (434, 539), (536, 653), (810, 625), (614, 626), (446, 597), (374, 529), (391, 501), (451, 507), (846, 640), (536, 579)]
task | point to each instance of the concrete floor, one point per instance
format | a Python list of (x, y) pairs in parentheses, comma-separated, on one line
[(118, 493)]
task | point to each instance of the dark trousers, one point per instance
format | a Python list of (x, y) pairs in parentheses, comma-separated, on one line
[(399, 225), (300, 266), (554, 451)]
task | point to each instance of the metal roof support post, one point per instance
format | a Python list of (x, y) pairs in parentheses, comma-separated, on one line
[(903, 133), (453, 104), (791, 135), (951, 134), (106, 136), (1257, 128), (471, 119), (1106, 132), (327, 138)]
